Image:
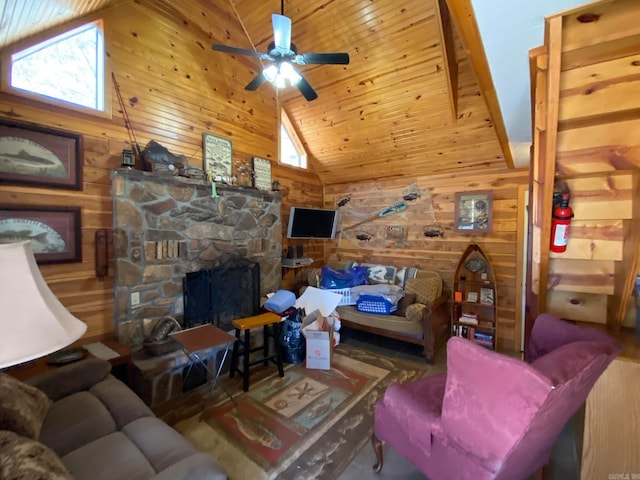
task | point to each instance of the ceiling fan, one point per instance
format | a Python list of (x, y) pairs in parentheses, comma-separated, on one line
[(282, 53)]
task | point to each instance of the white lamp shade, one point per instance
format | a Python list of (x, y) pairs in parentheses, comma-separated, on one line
[(33, 322)]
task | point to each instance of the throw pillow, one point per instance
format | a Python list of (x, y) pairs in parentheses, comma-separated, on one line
[(381, 273), (313, 277), (22, 407), (426, 289), (22, 458), (404, 302), (415, 311)]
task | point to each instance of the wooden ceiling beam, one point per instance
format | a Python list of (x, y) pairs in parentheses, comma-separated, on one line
[(466, 25), (449, 49)]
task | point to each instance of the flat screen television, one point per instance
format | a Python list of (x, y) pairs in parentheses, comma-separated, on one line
[(312, 223)]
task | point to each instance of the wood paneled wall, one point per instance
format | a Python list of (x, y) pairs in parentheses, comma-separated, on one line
[(440, 254), (174, 89)]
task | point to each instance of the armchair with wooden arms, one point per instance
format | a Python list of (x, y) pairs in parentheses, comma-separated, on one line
[(491, 416)]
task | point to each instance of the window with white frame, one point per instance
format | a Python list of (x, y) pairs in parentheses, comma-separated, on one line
[(291, 150), (69, 67)]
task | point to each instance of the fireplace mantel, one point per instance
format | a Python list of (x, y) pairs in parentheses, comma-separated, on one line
[(166, 226)]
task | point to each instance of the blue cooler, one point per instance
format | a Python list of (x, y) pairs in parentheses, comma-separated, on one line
[(280, 301)]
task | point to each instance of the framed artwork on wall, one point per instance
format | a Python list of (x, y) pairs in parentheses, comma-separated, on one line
[(473, 212), (54, 232), (261, 173), (39, 156), (218, 157)]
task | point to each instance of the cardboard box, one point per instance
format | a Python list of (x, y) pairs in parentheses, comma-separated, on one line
[(316, 327), (318, 334)]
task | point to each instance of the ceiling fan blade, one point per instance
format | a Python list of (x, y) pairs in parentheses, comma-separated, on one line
[(281, 31), (322, 59), (240, 51), (256, 82), (307, 91)]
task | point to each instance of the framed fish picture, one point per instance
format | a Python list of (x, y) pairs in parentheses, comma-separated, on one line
[(39, 156), (54, 232)]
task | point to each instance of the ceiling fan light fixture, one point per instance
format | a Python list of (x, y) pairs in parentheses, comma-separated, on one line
[(289, 73), (283, 53), (281, 74), (270, 73)]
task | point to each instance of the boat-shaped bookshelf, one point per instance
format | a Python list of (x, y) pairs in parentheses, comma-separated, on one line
[(474, 303)]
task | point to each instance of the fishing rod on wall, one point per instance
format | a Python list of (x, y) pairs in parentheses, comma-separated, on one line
[(137, 152)]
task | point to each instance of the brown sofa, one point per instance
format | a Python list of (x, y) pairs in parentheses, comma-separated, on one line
[(425, 322), (81, 423)]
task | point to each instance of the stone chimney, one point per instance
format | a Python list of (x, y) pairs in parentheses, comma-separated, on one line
[(166, 226)]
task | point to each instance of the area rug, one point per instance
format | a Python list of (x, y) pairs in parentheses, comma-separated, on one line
[(308, 425)]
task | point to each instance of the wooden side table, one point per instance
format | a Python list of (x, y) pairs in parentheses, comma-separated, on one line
[(40, 365)]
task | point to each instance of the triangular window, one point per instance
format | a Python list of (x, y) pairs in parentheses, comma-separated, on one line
[(292, 151), (68, 67)]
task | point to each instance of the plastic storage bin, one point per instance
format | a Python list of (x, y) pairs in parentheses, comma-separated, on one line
[(375, 304)]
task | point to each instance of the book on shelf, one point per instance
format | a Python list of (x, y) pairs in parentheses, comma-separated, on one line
[(469, 319), (483, 336), (457, 296)]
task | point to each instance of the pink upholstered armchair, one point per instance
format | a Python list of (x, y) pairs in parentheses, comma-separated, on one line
[(492, 416)]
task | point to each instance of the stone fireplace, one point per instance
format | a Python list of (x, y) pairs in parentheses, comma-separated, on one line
[(166, 227)]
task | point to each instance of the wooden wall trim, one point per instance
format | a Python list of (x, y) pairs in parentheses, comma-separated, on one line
[(467, 27)]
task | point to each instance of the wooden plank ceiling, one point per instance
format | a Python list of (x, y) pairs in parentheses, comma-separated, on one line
[(386, 114)]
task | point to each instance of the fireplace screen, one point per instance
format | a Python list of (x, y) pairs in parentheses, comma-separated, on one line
[(222, 294)]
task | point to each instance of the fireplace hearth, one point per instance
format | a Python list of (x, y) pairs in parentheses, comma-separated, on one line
[(222, 294)]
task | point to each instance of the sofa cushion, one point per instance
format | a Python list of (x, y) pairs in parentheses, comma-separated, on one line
[(113, 456), (22, 407), (74, 421), (122, 402), (161, 445), (71, 378), (22, 458), (404, 302), (426, 289)]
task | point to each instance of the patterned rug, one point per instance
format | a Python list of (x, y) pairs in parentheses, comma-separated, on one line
[(308, 425)]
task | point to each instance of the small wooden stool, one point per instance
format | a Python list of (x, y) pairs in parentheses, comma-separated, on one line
[(264, 320)]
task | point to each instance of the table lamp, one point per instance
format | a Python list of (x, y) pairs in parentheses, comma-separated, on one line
[(33, 322)]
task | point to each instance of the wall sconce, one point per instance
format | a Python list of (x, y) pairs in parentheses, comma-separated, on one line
[(102, 253)]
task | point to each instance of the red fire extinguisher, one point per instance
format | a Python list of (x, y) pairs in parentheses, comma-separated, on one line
[(561, 220)]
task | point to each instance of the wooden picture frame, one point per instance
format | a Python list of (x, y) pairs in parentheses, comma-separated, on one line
[(474, 212), (218, 157), (54, 232), (486, 296), (39, 156), (262, 173)]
